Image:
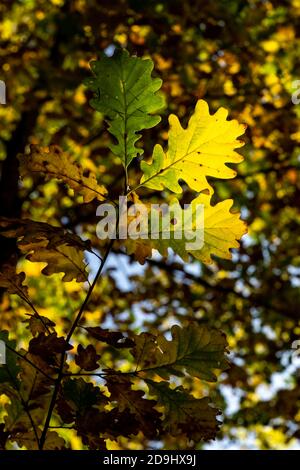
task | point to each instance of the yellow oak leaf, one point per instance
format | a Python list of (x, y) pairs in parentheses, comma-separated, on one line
[(194, 153), (216, 233)]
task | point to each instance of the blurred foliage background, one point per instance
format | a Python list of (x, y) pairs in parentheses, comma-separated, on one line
[(240, 54)]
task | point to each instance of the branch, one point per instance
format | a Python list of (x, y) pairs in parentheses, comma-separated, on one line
[(69, 336), (29, 362), (25, 405)]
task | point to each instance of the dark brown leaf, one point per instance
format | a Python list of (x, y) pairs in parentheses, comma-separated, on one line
[(87, 358), (113, 338), (48, 346)]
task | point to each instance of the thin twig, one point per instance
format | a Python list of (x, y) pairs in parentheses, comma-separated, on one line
[(68, 338), (24, 404), (29, 362)]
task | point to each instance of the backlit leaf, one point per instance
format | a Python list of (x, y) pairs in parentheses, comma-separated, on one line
[(214, 230), (133, 400), (194, 350), (52, 162), (87, 358), (126, 94), (62, 259), (194, 153), (13, 282)]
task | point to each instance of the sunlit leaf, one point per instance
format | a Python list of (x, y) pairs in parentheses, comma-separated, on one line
[(194, 153), (194, 350), (127, 96), (52, 162)]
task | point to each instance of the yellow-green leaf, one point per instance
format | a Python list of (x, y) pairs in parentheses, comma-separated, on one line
[(194, 153), (216, 233), (195, 350)]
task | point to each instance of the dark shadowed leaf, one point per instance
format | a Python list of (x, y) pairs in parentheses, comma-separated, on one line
[(87, 358)]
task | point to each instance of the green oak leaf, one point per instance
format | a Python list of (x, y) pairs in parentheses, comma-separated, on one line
[(195, 350), (127, 96)]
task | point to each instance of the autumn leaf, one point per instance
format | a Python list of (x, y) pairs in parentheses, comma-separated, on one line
[(77, 397), (87, 358), (113, 338), (48, 346), (94, 425), (30, 234), (194, 350), (34, 385), (62, 259), (29, 401), (185, 414), (60, 249), (10, 370), (16, 420), (82, 395), (222, 229), (52, 162), (133, 400), (13, 282), (84, 403), (194, 153), (38, 324), (28, 439), (214, 230), (127, 96)]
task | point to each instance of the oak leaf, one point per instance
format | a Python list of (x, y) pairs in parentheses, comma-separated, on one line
[(61, 259), (121, 392), (184, 413), (13, 282), (87, 358), (194, 350), (10, 370), (48, 346), (215, 234), (113, 338), (53, 162), (127, 96), (194, 153), (60, 249)]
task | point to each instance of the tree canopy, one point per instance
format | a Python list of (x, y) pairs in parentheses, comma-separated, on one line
[(187, 351)]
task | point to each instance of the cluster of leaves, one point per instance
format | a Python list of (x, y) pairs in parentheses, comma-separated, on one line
[(243, 55), (41, 384), (121, 405)]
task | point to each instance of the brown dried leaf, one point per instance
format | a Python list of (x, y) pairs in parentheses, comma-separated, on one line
[(54, 163)]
